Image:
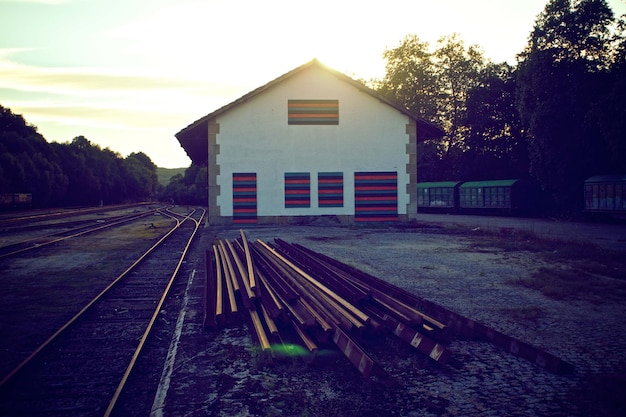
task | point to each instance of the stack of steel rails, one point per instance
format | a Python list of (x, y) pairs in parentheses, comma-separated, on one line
[(287, 291)]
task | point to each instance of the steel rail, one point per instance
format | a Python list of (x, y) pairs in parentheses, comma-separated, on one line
[(324, 297), (243, 273), (314, 307), (309, 297), (329, 293), (401, 299), (250, 267), (231, 282), (455, 323), (395, 312), (269, 296), (88, 306), (219, 306), (326, 310), (68, 213), (84, 232), (324, 313), (258, 328), (157, 310)]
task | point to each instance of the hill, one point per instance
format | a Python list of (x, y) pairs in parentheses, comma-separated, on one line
[(164, 174)]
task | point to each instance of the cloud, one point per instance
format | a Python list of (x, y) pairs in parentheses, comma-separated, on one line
[(124, 109), (122, 130), (102, 117), (101, 81), (99, 89), (51, 2)]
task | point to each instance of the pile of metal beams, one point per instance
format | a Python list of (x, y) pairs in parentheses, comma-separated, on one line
[(286, 289)]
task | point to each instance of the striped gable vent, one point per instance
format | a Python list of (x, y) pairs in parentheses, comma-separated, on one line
[(375, 196), (244, 198), (330, 189), (297, 189), (313, 112)]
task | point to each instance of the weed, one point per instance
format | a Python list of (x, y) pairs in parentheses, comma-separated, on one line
[(527, 313), (261, 358), (572, 284)]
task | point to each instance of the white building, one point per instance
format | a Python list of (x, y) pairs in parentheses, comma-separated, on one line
[(312, 142)]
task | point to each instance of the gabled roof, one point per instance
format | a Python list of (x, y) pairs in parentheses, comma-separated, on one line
[(194, 138)]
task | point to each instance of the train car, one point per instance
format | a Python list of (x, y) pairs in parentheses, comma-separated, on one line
[(15, 200), (496, 197), (605, 194), (442, 196)]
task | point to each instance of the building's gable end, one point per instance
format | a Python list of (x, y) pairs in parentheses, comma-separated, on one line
[(316, 123)]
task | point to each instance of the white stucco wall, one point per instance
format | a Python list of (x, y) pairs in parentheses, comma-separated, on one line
[(255, 137)]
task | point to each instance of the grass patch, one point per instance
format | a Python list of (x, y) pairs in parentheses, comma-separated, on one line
[(528, 313), (572, 284), (511, 240), (578, 271)]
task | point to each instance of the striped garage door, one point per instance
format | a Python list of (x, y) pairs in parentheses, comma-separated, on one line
[(375, 196), (244, 198), (330, 189), (297, 189)]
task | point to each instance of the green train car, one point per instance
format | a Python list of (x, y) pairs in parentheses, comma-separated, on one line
[(477, 197), (440, 196), (605, 194), (512, 196), (15, 200)]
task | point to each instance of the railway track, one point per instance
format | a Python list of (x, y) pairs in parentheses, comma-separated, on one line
[(71, 229), (82, 368), (29, 217)]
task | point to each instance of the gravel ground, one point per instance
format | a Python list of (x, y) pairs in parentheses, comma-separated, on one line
[(220, 373)]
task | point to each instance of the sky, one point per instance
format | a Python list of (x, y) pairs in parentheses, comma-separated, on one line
[(128, 75)]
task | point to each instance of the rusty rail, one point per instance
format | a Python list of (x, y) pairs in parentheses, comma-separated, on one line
[(286, 287)]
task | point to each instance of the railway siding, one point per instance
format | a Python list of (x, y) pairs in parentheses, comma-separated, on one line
[(76, 371)]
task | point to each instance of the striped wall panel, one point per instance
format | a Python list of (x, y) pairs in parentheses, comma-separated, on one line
[(375, 196), (313, 112), (244, 198), (330, 189), (297, 189)]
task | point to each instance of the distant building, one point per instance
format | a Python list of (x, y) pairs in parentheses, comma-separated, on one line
[(312, 142)]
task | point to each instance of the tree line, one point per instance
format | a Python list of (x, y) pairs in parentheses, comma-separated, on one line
[(556, 117), (64, 174)]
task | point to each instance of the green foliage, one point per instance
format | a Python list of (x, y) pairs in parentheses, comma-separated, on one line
[(557, 117), (410, 74), (472, 99), (78, 173), (190, 188), (164, 175), (495, 143), (564, 76)]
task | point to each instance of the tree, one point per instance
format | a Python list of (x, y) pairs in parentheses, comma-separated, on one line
[(78, 164), (141, 176), (191, 188), (78, 173), (561, 75), (434, 86), (495, 144), (27, 161), (410, 77), (608, 115)]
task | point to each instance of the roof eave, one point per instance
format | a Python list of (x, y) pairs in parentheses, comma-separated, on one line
[(197, 132)]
